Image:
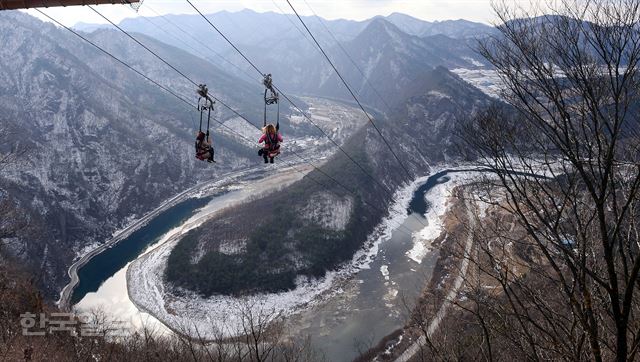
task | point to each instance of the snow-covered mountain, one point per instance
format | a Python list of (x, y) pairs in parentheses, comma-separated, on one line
[(102, 144), (457, 29), (393, 62)]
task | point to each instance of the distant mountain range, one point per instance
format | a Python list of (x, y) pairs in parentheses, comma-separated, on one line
[(395, 64), (397, 50), (458, 29), (245, 23)]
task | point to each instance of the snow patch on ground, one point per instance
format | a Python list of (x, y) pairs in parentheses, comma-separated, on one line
[(328, 210), (481, 204), (296, 119), (438, 95), (85, 249), (487, 80), (234, 247), (389, 297), (384, 270), (438, 200)]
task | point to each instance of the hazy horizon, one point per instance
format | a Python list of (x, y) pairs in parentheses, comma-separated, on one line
[(357, 10), (275, 12)]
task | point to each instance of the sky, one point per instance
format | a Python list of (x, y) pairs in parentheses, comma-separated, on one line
[(430, 10)]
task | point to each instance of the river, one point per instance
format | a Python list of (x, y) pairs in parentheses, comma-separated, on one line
[(365, 308), (377, 300)]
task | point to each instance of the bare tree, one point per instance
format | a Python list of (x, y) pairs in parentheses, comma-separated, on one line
[(10, 150), (12, 221), (565, 153), (263, 329)]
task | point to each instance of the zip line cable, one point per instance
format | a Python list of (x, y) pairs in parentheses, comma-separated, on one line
[(166, 19), (142, 45), (116, 59), (171, 66), (349, 89), (304, 35), (364, 77), (225, 38), (173, 36), (399, 226), (289, 100), (332, 140), (344, 50)]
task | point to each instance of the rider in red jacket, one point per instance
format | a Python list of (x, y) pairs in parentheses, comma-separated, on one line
[(271, 139), (204, 149)]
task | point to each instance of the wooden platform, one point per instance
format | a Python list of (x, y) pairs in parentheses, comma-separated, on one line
[(26, 4)]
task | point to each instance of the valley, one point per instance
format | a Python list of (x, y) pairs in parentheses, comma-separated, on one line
[(431, 189), (336, 240)]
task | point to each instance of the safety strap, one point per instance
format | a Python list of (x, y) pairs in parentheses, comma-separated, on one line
[(200, 128), (272, 142), (271, 99), (203, 92), (265, 109), (208, 121)]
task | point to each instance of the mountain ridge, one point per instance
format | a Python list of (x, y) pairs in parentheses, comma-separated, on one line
[(418, 26)]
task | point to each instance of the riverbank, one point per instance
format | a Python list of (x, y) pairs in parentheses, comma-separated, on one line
[(455, 242), (447, 279), (197, 191)]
